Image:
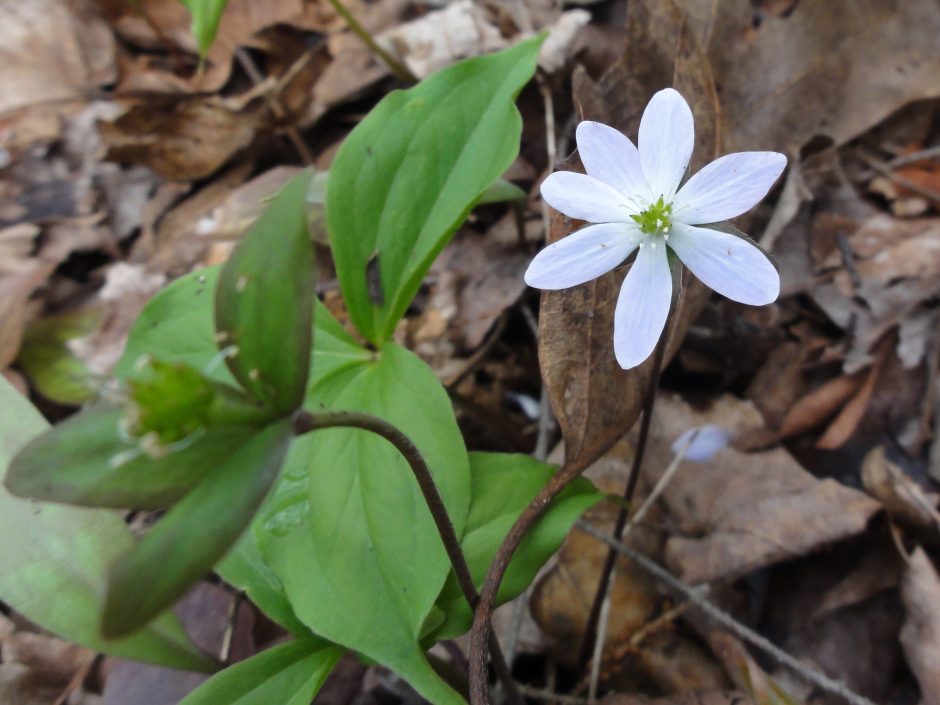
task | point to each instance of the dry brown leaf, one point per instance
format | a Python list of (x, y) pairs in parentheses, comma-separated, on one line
[(53, 51), (896, 274), (594, 400), (845, 424), (920, 635), (742, 511), (901, 497), (184, 139), (817, 406), (165, 24), (818, 70)]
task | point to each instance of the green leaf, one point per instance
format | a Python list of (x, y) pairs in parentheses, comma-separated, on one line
[(85, 461), (501, 191), (49, 363), (408, 174), (264, 301), (195, 534), (55, 562), (177, 325), (289, 674), (244, 568), (347, 530), (206, 16), (503, 485)]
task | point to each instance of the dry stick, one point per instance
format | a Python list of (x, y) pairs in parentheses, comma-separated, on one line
[(248, 64), (810, 675), (886, 170), (304, 422), (590, 629), (636, 519), (400, 70)]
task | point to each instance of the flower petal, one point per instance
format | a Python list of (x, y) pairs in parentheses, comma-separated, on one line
[(609, 156), (727, 187), (642, 306), (730, 265), (667, 135), (585, 198), (582, 256)]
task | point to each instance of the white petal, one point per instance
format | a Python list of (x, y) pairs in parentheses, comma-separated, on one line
[(702, 442), (730, 265), (667, 135), (727, 187), (642, 306), (609, 156), (582, 256), (585, 198)]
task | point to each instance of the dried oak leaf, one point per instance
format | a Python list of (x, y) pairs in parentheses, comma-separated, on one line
[(741, 511)]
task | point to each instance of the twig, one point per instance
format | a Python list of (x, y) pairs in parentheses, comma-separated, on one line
[(587, 640), (918, 156), (479, 355), (885, 169), (599, 647), (248, 64), (810, 675), (400, 70), (305, 422)]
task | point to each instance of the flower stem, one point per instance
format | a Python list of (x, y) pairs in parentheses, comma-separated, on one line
[(590, 629), (305, 422), (396, 67)]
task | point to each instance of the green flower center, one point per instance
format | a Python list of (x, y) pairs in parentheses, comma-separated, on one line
[(655, 219), (172, 402)]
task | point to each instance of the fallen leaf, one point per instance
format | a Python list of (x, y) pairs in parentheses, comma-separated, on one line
[(920, 635), (189, 138), (742, 511), (812, 410), (54, 51), (901, 497), (594, 400), (816, 70)]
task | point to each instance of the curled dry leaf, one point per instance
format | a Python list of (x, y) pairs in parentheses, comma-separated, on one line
[(594, 400), (901, 497), (920, 635)]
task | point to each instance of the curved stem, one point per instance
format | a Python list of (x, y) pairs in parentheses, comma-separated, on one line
[(482, 618), (305, 422)]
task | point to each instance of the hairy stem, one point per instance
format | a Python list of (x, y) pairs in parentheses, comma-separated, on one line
[(396, 67), (305, 422)]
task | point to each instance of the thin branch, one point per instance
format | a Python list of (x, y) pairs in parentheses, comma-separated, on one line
[(810, 675), (400, 70), (887, 171), (587, 640), (305, 422)]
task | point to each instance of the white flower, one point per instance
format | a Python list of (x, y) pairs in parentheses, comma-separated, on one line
[(634, 198)]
